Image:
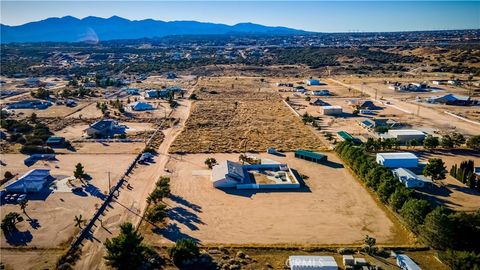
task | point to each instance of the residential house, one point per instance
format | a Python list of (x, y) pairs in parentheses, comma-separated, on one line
[(104, 128), (451, 99), (56, 142), (372, 124), (141, 106), (323, 92), (410, 179), (319, 102), (29, 104), (32, 181)]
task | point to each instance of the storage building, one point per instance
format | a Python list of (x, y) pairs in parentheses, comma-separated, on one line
[(331, 110), (409, 179), (405, 135), (312, 263), (397, 160), (310, 156), (404, 262), (313, 82)]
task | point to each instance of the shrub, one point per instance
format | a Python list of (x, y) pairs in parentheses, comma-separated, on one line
[(8, 175), (36, 149), (185, 249)]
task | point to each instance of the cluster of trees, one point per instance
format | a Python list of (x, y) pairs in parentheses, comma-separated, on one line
[(157, 213), (465, 173), (29, 132), (307, 118), (437, 226), (210, 162), (373, 145), (78, 92), (128, 251), (41, 93)]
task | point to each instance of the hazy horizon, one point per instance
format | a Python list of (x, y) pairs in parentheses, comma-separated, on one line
[(316, 16)]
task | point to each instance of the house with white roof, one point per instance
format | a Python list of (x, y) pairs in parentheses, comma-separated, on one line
[(312, 263), (32, 181), (397, 160), (410, 179), (405, 135), (268, 174)]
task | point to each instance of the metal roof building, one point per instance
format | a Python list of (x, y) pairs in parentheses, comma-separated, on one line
[(404, 135), (32, 181), (397, 160), (310, 156), (406, 263), (312, 263)]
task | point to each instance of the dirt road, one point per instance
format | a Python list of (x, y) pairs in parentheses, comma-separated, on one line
[(436, 118), (131, 202)]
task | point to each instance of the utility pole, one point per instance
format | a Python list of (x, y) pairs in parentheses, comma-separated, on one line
[(109, 185)]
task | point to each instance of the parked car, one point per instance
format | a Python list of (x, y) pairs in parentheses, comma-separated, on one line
[(21, 198)]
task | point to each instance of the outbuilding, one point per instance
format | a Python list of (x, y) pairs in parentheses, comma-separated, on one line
[(313, 82), (405, 135), (409, 179), (405, 263), (312, 263), (310, 156), (397, 160), (331, 110)]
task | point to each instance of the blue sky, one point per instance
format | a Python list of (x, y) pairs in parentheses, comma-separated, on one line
[(321, 16)]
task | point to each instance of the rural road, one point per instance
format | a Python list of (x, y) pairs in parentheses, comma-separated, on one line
[(131, 203), (437, 119)]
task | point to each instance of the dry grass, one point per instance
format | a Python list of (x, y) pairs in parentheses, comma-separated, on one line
[(238, 114)]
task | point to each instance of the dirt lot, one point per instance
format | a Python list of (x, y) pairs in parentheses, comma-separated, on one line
[(234, 114), (451, 192), (332, 203), (52, 212)]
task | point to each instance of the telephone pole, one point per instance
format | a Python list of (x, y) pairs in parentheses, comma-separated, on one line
[(109, 184)]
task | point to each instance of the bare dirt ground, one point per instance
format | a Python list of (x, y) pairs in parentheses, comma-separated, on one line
[(89, 111), (131, 203), (49, 220), (332, 203), (451, 192), (238, 114)]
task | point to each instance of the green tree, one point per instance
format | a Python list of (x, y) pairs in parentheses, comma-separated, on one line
[(460, 260), (399, 197), (435, 168), (157, 213), (437, 229), (413, 212), (9, 222), (431, 142), (79, 173), (162, 190), (185, 249), (474, 142), (33, 118), (458, 139), (370, 243), (446, 142), (23, 205), (127, 250), (210, 162)]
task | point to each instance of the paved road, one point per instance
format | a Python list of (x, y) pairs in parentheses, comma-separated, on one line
[(131, 202), (436, 118)]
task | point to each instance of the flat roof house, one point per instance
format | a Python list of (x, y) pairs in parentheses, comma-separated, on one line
[(230, 174), (141, 106), (32, 181), (409, 179), (312, 263), (397, 160), (104, 128), (323, 92)]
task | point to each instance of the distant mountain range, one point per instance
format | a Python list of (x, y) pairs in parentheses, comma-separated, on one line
[(93, 29)]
